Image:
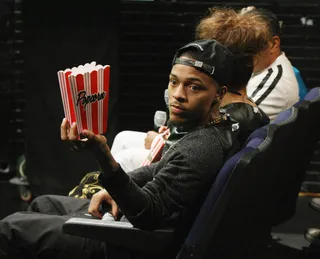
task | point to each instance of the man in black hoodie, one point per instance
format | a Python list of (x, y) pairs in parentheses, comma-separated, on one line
[(168, 193)]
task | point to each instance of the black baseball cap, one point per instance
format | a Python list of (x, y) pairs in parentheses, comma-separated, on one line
[(210, 57)]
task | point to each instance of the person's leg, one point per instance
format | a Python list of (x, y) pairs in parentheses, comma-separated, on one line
[(59, 205), (128, 139), (34, 235), (131, 159)]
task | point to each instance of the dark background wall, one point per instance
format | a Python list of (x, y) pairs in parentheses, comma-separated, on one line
[(58, 37), (12, 99)]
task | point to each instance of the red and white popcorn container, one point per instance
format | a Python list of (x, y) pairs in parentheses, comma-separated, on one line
[(85, 96)]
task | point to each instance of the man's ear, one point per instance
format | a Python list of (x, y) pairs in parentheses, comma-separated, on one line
[(275, 42), (219, 96), (223, 90)]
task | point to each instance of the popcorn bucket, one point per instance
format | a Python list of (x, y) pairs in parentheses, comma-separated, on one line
[(85, 96)]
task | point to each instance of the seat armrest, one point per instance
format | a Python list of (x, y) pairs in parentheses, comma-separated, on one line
[(120, 233)]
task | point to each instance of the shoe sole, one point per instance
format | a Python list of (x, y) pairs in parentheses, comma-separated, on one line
[(314, 206), (312, 239)]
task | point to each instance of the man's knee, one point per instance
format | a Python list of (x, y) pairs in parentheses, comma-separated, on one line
[(5, 226), (10, 229), (29, 235), (128, 139), (122, 137), (41, 203)]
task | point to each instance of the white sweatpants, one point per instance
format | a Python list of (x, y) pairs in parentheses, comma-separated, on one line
[(128, 149)]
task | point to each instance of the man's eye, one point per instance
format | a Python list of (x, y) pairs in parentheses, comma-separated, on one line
[(173, 81), (195, 87)]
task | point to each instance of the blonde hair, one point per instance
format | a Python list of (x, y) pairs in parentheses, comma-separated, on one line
[(248, 34), (245, 36)]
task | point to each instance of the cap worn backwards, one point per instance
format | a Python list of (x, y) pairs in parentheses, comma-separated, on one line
[(210, 57)]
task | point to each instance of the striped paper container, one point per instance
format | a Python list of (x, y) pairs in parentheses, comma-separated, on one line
[(156, 148), (85, 96)]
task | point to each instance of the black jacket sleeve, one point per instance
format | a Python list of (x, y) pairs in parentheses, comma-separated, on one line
[(182, 176), (141, 177)]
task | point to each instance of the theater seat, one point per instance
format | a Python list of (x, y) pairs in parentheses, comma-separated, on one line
[(230, 223), (293, 156), (302, 87)]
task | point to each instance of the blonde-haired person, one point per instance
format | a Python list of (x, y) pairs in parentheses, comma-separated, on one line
[(273, 85), (237, 33)]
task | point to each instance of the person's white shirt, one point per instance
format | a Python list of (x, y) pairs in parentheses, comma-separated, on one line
[(275, 88)]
